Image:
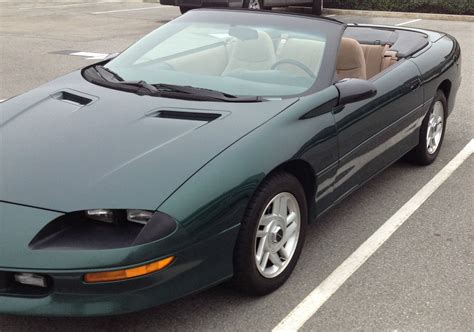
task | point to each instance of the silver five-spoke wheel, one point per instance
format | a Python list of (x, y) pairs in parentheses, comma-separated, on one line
[(271, 234), (435, 128), (277, 235), (254, 4), (432, 131)]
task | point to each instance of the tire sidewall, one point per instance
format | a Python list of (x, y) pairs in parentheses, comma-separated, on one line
[(247, 2), (279, 183), (425, 156)]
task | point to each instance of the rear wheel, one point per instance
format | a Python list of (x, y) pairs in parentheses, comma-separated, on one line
[(431, 132), (317, 8), (253, 4), (271, 236)]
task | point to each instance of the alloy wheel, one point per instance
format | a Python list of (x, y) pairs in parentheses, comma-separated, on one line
[(435, 128), (277, 235), (254, 4)]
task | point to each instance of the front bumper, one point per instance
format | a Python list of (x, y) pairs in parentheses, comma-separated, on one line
[(196, 266), (69, 295)]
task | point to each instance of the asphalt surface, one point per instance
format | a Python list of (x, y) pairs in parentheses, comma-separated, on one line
[(420, 279)]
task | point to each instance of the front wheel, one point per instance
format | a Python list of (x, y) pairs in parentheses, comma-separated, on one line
[(253, 4), (271, 236), (431, 132)]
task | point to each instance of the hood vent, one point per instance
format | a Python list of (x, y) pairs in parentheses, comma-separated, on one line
[(191, 116), (72, 98)]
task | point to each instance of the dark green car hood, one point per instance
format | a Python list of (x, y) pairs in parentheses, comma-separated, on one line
[(114, 152)]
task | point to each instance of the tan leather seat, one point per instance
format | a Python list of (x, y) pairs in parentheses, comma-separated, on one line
[(390, 58), (350, 60), (253, 54), (374, 56)]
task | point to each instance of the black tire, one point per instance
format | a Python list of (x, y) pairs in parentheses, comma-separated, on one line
[(185, 9), (247, 277), (246, 4), (316, 8), (420, 154)]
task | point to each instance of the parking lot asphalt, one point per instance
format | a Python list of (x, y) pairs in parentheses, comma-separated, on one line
[(420, 279)]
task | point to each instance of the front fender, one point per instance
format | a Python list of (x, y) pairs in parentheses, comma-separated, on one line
[(216, 197)]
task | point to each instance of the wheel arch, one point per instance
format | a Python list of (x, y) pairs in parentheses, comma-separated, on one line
[(305, 174), (446, 86)]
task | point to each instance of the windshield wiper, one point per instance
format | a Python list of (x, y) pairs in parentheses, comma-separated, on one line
[(110, 79), (107, 74), (205, 94), (110, 76), (144, 88), (106, 77)]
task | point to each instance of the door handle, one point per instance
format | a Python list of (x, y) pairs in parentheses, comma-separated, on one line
[(415, 85)]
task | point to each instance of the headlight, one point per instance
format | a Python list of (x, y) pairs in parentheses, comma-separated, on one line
[(104, 229), (114, 216), (101, 215), (139, 216)]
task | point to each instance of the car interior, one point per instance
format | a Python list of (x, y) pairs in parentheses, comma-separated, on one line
[(364, 53), (355, 60), (362, 61), (253, 60)]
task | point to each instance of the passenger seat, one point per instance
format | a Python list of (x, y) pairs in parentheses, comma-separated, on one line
[(253, 54), (389, 58), (378, 58), (374, 56)]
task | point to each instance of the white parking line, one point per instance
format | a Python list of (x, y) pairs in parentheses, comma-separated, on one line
[(128, 10), (90, 55), (412, 21), (329, 15), (311, 304), (60, 6)]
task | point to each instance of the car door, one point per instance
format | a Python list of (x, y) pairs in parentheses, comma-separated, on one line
[(374, 133)]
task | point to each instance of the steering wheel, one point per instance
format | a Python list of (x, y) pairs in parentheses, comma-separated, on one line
[(296, 63)]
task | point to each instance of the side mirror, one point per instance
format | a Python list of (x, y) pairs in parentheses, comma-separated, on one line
[(354, 89)]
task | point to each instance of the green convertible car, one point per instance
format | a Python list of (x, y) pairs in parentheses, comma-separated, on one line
[(201, 153)]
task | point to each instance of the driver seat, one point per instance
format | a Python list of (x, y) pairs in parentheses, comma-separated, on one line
[(253, 54), (351, 60)]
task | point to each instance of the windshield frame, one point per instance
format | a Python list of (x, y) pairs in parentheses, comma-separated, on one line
[(333, 31)]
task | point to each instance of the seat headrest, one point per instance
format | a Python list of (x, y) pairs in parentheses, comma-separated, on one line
[(254, 54), (350, 60), (255, 50)]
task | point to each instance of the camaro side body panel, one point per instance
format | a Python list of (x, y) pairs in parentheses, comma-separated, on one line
[(440, 63), (375, 132)]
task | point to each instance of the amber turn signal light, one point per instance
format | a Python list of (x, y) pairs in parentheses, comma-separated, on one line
[(128, 273)]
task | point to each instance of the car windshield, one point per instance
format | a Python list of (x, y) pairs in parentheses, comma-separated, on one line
[(235, 52)]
